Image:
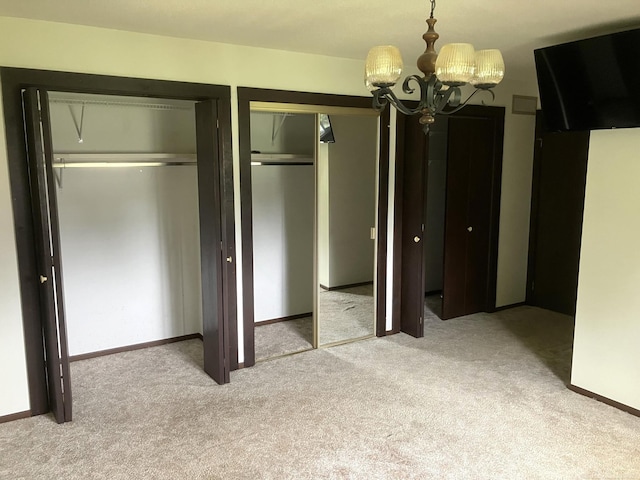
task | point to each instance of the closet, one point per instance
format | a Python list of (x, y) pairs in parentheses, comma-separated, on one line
[(313, 178), (127, 192), (449, 191), (143, 181)]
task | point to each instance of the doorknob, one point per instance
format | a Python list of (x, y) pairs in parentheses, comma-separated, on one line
[(229, 259), (416, 239), (470, 229), (43, 279)]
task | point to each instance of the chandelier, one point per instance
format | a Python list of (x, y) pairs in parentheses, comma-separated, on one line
[(456, 65)]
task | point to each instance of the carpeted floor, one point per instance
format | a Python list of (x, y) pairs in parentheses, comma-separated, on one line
[(480, 397), (282, 338), (345, 314)]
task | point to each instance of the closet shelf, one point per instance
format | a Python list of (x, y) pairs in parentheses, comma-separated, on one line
[(281, 159), (84, 160)]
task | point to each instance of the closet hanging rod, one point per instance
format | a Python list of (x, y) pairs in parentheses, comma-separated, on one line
[(279, 164), (119, 103), (102, 160)]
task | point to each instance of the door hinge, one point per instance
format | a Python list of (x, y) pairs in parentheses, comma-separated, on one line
[(539, 142), (533, 286), (423, 227), (217, 123), (420, 320)]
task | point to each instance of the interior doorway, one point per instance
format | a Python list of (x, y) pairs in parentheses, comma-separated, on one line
[(557, 205), (449, 190), (37, 184), (318, 168)]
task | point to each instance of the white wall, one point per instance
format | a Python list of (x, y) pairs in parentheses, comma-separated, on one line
[(515, 199), (130, 249), (283, 133), (283, 215), (119, 128), (129, 236), (606, 353), (351, 197), (13, 369), (55, 46), (322, 169)]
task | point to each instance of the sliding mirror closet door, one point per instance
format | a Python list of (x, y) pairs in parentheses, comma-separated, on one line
[(346, 226), (282, 181)]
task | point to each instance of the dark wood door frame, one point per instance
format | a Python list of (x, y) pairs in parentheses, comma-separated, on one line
[(14, 80), (245, 97), (496, 115)]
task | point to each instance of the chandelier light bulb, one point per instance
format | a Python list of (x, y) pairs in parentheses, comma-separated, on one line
[(383, 66), (456, 64), (489, 70)]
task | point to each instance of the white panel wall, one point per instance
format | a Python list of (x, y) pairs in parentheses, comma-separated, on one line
[(606, 353), (352, 199), (283, 212)]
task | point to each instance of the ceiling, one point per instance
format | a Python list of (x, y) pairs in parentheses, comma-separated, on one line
[(348, 28)]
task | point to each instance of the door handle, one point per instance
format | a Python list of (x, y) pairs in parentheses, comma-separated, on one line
[(416, 239), (43, 279), (229, 259), (470, 229)]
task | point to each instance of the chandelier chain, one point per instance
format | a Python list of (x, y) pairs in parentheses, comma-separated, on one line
[(433, 7)]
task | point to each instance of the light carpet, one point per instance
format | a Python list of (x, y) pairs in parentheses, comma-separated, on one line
[(480, 397), (282, 338), (345, 314)]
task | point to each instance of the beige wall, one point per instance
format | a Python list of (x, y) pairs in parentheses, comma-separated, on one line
[(54, 46), (606, 353)]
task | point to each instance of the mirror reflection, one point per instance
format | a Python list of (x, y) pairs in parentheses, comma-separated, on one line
[(346, 209), (314, 209)]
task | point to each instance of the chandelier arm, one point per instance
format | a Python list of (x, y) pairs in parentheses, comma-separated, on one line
[(464, 104), (416, 78), (379, 99), (385, 95)]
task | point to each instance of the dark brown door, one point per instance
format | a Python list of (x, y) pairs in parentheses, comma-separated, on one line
[(214, 322), (474, 161), (557, 204), (45, 214), (413, 173), (468, 217)]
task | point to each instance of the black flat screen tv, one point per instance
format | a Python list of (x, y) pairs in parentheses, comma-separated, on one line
[(591, 84)]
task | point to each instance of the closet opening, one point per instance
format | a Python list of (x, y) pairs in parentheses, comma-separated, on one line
[(312, 177), (123, 211), (449, 202), (126, 183), (314, 221)]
